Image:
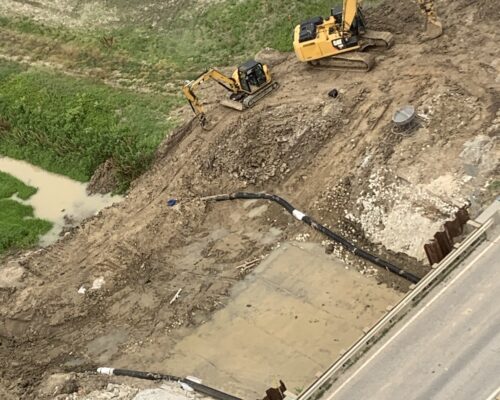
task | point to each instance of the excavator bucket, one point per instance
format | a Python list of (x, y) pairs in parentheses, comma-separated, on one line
[(433, 25), (433, 29), (235, 105)]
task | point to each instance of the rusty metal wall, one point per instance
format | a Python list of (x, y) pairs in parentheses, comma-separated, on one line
[(442, 243)]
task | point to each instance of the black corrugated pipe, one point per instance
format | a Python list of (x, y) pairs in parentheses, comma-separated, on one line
[(152, 376), (309, 221)]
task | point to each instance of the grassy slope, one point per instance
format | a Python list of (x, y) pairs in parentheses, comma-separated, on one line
[(70, 124), (18, 228)]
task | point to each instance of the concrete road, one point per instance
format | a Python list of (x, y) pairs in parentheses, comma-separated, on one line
[(446, 348)]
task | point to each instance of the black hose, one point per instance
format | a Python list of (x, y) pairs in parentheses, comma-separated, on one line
[(152, 376), (311, 222), (214, 393), (144, 375)]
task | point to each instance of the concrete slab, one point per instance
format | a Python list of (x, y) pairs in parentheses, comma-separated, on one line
[(287, 320)]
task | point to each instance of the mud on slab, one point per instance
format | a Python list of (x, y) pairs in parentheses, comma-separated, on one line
[(287, 320)]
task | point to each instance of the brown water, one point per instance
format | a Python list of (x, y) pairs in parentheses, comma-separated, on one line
[(56, 197)]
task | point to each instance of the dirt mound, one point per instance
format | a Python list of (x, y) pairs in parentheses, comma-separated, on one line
[(106, 291), (269, 147), (104, 179), (393, 17)]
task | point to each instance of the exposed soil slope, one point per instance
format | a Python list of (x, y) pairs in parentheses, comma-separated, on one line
[(336, 159)]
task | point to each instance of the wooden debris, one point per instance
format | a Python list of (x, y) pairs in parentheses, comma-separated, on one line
[(249, 264), (176, 296)]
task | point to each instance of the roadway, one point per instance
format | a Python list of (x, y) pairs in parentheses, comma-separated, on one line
[(448, 347)]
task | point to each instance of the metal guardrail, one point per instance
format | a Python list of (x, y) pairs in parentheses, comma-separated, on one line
[(439, 271)]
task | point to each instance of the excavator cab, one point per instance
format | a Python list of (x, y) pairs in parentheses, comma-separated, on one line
[(251, 76)]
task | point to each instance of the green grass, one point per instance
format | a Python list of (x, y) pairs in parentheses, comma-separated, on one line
[(18, 227), (494, 187), (10, 185), (224, 34), (70, 126), (192, 39)]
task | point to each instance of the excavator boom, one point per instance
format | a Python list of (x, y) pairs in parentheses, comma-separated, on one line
[(349, 11), (189, 91)]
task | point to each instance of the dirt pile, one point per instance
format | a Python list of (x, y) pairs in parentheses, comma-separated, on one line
[(104, 179), (323, 154), (270, 146)]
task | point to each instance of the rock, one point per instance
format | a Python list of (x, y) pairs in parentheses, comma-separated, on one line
[(329, 248), (160, 394), (105, 178), (58, 384), (474, 149), (327, 109), (474, 152)]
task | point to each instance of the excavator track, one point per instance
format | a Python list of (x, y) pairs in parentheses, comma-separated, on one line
[(377, 39), (354, 61), (250, 100), (253, 99)]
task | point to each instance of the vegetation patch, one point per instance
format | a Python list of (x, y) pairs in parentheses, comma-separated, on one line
[(18, 227), (71, 126)]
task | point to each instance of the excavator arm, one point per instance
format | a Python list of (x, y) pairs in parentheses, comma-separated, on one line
[(190, 87), (350, 9)]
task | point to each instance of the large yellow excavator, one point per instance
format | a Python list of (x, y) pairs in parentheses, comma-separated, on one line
[(249, 83), (337, 42)]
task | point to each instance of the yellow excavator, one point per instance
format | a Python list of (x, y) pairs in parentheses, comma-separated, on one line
[(249, 83), (337, 42)]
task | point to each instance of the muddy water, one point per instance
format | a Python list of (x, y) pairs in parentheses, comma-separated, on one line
[(57, 196)]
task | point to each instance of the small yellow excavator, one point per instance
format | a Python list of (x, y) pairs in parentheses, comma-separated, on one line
[(249, 83), (337, 42)]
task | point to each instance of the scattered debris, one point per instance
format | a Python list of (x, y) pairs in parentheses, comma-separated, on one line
[(176, 296), (319, 152), (98, 283), (248, 265), (302, 237), (171, 202)]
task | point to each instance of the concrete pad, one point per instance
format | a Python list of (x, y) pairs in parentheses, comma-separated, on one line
[(287, 320)]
